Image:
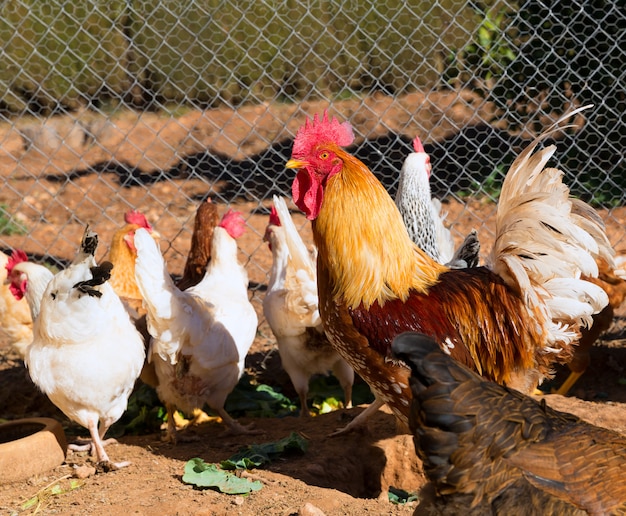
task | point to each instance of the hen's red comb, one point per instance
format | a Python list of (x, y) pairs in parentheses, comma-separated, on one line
[(319, 130), (417, 145), (17, 256), (274, 218), (234, 223), (136, 217)]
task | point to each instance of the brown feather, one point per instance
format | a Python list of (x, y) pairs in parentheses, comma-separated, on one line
[(494, 449), (199, 255)]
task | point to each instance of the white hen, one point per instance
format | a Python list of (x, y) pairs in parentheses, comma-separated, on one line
[(291, 309), (86, 353), (423, 217), (200, 337)]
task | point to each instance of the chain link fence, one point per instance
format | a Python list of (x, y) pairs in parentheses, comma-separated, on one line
[(157, 104)]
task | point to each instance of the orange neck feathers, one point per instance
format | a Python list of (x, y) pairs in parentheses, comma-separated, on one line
[(361, 237)]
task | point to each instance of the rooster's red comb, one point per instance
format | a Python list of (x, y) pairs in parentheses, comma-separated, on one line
[(136, 217), (274, 218), (234, 223), (321, 130), (17, 256), (417, 145)]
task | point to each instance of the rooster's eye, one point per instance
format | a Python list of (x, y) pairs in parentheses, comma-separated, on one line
[(324, 155)]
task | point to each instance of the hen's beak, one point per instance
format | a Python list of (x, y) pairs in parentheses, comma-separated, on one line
[(296, 163)]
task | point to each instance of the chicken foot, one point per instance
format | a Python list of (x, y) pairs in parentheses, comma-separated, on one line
[(96, 446), (234, 427), (359, 422)]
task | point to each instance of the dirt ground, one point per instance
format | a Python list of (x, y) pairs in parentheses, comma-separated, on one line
[(56, 189)]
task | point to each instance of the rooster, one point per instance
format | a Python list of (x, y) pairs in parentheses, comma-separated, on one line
[(422, 215), (86, 353), (290, 307), (15, 316), (487, 449), (510, 321), (200, 336)]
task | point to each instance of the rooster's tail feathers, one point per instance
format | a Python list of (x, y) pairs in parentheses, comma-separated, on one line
[(545, 240)]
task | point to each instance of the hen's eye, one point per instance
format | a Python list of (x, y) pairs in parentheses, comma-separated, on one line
[(324, 155)]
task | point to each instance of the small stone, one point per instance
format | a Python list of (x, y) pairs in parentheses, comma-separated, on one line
[(237, 500), (308, 509), (84, 471)]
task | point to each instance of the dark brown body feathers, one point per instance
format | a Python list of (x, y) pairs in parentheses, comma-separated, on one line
[(502, 452)]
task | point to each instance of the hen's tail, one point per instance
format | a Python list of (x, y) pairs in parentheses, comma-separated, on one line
[(301, 278), (544, 242), (298, 253), (480, 439), (154, 282), (468, 253)]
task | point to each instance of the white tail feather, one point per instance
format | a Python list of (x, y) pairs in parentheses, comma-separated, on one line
[(298, 253), (545, 240), (154, 282)]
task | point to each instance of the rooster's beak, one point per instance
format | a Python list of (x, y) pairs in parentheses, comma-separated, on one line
[(296, 163)]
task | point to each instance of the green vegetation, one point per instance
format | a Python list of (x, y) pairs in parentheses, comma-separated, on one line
[(201, 474), (488, 187), (488, 55), (218, 476), (8, 224), (62, 55)]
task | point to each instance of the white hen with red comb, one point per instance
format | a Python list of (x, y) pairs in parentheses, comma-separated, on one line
[(423, 216), (200, 336), (291, 309)]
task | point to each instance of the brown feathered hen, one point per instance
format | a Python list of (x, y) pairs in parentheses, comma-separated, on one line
[(199, 255), (15, 316), (122, 254), (487, 449)]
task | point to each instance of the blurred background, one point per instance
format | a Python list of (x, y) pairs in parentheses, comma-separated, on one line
[(157, 105)]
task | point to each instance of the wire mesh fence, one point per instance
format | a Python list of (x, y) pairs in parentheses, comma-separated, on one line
[(156, 105)]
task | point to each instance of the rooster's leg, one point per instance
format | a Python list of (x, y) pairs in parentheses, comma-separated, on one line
[(358, 422), (569, 383)]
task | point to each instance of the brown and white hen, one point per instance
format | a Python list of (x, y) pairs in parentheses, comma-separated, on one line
[(200, 336)]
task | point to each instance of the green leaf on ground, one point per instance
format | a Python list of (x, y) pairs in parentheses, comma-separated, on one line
[(256, 455), (400, 496), (257, 400), (201, 474)]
